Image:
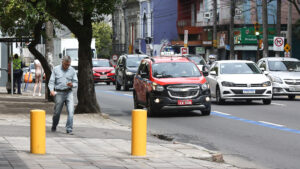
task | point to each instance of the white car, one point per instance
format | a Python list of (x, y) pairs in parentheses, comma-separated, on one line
[(284, 73), (239, 80)]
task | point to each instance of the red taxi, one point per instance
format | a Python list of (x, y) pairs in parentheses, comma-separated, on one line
[(169, 83)]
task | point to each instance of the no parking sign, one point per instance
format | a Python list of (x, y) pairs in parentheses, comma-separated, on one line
[(278, 43)]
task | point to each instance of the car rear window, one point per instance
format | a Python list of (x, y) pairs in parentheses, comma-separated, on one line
[(175, 70), (133, 61), (101, 63)]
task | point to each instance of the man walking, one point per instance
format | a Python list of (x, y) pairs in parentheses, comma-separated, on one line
[(62, 80)]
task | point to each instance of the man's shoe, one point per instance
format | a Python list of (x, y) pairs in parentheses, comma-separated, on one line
[(53, 129), (70, 132)]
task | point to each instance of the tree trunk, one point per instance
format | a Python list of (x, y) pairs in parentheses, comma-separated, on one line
[(49, 52), (265, 28), (87, 102), (232, 13), (215, 26), (278, 23)]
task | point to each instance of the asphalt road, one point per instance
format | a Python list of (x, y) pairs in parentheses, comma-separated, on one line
[(250, 134)]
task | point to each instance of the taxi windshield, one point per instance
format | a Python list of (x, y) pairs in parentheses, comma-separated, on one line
[(175, 70)]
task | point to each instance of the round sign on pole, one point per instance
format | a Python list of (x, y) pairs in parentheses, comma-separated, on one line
[(115, 57), (278, 43)]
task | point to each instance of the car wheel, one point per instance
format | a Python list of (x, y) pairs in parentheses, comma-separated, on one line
[(135, 102), (206, 112), (267, 101), (114, 83), (108, 83), (151, 112), (249, 101), (218, 97), (118, 86), (292, 97)]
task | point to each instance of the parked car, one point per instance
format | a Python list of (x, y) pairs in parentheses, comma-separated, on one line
[(103, 71), (199, 60), (126, 68), (170, 83), (284, 73), (239, 80)]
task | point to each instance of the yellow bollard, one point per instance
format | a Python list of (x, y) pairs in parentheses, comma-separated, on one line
[(38, 131), (139, 132)]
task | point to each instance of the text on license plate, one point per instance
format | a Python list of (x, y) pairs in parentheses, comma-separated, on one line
[(249, 91), (103, 77), (184, 102)]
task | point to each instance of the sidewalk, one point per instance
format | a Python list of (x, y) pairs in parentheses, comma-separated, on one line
[(97, 142)]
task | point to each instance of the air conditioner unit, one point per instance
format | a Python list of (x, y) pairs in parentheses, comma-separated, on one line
[(207, 15), (283, 34), (238, 12)]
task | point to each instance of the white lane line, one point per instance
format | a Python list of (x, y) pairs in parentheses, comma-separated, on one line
[(279, 125), (278, 104), (222, 113), (128, 95)]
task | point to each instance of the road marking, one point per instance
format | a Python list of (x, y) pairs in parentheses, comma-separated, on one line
[(222, 113), (278, 104), (271, 123)]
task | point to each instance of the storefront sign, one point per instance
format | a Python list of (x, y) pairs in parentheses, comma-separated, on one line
[(200, 50)]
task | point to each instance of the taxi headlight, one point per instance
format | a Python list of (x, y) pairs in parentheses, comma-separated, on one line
[(205, 86), (266, 84), (157, 87)]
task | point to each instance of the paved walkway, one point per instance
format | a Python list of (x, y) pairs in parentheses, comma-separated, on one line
[(97, 143)]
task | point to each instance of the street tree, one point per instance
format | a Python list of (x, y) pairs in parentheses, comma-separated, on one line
[(102, 32), (19, 19), (77, 16)]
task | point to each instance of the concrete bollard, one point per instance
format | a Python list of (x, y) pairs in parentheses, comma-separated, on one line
[(38, 131), (139, 132)]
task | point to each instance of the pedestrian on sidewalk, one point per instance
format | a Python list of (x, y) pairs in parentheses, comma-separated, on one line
[(17, 72), (62, 80), (38, 76)]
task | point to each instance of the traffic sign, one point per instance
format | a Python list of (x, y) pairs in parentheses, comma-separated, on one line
[(287, 54), (184, 50), (115, 57), (278, 43), (287, 48)]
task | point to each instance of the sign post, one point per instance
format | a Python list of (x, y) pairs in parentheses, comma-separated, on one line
[(278, 43), (186, 34), (184, 50)]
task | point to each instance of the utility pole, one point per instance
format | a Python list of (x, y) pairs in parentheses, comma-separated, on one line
[(215, 6), (265, 28), (232, 13), (289, 28), (278, 23), (257, 32)]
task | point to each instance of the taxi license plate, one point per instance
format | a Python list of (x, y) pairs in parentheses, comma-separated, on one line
[(184, 102), (103, 77), (249, 91)]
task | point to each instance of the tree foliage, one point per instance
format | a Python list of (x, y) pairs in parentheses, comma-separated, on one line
[(103, 32)]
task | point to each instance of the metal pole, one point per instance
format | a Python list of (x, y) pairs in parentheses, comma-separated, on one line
[(289, 38), (10, 54)]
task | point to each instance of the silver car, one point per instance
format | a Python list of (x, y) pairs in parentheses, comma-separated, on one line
[(284, 73)]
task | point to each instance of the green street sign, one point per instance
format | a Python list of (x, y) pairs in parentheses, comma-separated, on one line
[(247, 35)]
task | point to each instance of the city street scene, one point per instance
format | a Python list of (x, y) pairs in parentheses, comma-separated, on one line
[(150, 84)]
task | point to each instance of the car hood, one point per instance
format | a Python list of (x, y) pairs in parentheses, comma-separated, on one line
[(132, 69), (285, 75), (190, 80), (102, 69), (244, 78)]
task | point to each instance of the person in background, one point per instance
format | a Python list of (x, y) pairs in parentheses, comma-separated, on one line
[(38, 76), (17, 72), (62, 80), (211, 59)]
